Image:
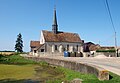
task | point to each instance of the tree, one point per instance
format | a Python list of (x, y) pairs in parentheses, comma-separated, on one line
[(19, 43)]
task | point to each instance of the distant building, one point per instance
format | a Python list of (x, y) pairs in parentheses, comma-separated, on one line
[(56, 42), (89, 46)]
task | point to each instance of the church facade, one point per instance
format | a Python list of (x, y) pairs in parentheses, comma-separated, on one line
[(56, 42)]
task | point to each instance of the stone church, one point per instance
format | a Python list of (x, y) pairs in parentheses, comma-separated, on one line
[(56, 42)]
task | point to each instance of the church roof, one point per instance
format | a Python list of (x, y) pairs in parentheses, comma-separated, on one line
[(49, 36)]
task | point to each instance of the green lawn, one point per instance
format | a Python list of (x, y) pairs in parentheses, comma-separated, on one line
[(17, 69)]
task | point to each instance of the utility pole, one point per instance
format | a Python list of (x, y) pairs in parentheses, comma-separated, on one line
[(113, 27), (116, 45), (115, 40)]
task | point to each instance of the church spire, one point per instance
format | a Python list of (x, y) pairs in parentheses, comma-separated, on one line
[(54, 25)]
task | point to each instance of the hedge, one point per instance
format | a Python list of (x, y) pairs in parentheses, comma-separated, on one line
[(106, 50)]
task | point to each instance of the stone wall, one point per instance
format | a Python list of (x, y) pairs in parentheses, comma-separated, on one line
[(101, 73), (49, 54), (56, 48), (40, 54)]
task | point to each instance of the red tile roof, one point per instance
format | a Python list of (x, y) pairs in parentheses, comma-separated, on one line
[(94, 47), (61, 37), (34, 43)]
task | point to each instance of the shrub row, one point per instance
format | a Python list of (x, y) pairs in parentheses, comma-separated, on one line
[(106, 50)]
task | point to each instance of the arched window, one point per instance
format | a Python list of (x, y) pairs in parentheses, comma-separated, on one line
[(55, 47), (67, 47), (77, 47)]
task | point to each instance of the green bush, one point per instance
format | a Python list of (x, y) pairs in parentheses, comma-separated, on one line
[(15, 59), (106, 50)]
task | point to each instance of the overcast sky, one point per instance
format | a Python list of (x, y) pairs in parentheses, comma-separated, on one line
[(88, 18)]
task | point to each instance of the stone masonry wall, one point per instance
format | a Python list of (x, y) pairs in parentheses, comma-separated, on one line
[(101, 73)]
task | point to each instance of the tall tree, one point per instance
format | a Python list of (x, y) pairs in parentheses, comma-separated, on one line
[(19, 43)]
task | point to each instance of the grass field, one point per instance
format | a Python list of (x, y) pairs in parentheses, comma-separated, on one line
[(16, 69), (16, 72)]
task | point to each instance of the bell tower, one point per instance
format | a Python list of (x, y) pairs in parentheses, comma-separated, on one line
[(54, 25)]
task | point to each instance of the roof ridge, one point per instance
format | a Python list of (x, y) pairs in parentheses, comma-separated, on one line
[(70, 32), (47, 30), (60, 31), (34, 41)]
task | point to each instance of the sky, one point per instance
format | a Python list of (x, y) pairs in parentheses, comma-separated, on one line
[(88, 18)]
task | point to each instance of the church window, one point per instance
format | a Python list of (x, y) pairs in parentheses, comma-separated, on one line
[(55, 47), (67, 47), (77, 47)]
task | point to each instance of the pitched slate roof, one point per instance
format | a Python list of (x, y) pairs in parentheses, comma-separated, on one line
[(49, 36), (34, 43)]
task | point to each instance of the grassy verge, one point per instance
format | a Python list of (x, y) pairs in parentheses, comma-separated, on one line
[(87, 78), (15, 59), (17, 69)]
